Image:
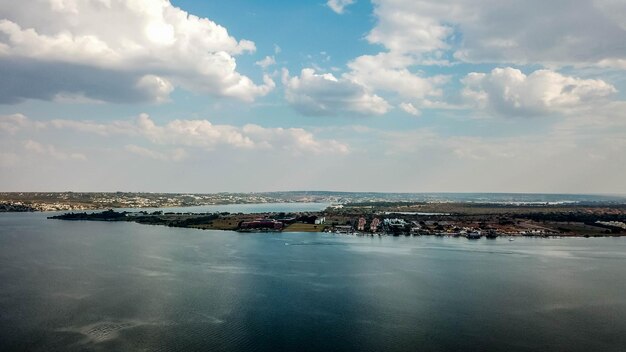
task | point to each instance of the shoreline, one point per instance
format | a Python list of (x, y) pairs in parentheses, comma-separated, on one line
[(516, 236), (373, 222)]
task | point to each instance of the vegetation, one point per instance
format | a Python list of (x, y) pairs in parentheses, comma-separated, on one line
[(108, 215)]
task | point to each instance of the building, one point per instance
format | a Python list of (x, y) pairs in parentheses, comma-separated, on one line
[(394, 226), (374, 225), (361, 224)]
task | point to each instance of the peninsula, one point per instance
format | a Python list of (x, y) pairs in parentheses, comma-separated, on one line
[(472, 220)]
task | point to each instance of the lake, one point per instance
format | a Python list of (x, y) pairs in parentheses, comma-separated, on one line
[(97, 286)]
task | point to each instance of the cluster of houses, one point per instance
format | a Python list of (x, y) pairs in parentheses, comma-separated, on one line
[(390, 226), (360, 225), (398, 226)]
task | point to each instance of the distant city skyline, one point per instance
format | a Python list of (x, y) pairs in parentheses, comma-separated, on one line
[(338, 95)]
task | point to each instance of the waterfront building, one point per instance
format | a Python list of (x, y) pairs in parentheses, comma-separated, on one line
[(374, 225), (320, 220), (361, 225)]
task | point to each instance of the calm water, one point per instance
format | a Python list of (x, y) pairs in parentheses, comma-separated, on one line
[(239, 208), (70, 286)]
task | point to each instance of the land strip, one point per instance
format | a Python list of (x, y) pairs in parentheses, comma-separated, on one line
[(405, 218)]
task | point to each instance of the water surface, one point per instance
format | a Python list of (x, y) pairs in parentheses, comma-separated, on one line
[(101, 286)]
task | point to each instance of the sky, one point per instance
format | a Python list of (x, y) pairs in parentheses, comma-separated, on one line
[(345, 95)]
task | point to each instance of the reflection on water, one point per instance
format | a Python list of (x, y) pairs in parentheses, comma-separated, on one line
[(122, 286)]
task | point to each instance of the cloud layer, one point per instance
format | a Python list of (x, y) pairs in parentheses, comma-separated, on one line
[(180, 133), (560, 32), (324, 94), (152, 48), (559, 65)]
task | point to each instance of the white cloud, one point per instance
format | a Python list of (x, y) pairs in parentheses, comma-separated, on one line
[(156, 87), (325, 94), (177, 154), (408, 41), (429, 32), (339, 5), (152, 48), (410, 26), (50, 150), (191, 133), (204, 134), (508, 91), (266, 62), (199, 133), (389, 73), (294, 140), (410, 109), (613, 63), (13, 123), (561, 32)]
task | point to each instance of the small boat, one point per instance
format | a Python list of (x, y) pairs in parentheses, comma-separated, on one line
[(474, 235)]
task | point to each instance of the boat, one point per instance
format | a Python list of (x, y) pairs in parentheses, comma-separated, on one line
[(473, 235)]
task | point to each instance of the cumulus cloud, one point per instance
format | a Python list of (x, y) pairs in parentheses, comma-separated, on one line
[(410, 26), (294, 140), (560, 32), (508, 91), (50, 150), (70, 47), (198, 133), (390, 73), (339, 5), (324, 94), (408, 41), (446, 32), (204, 134)]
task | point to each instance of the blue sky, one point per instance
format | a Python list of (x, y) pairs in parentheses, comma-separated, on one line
[(383, 95)]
